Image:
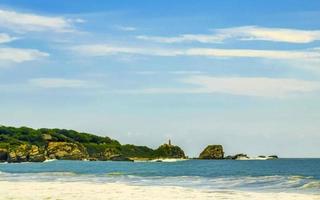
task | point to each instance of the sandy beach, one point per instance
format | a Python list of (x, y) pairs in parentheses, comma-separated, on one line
[(96, 191)]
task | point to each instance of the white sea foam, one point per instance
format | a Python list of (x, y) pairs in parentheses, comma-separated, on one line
[(276, 183), (49, 160), (163, 160), (87, 190)]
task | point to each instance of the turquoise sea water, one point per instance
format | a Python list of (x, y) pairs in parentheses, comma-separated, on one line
[(289, 175)]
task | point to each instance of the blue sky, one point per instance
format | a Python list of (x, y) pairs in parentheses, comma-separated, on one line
[(244, 74)]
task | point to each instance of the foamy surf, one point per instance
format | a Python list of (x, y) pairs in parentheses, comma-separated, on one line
[(49, 160), (299, 184), (163, 160), (97, 191)]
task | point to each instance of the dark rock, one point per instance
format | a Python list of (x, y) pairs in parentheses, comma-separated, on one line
[(229, 157), (273, 157), (120, 158), (241, 156), (212, 152), (3, 155)]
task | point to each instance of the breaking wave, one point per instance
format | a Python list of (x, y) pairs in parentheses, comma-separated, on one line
[(258, 183)]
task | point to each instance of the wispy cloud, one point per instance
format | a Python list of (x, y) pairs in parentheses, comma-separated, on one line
[(59, 83), (107, 50), (184, 38), (243, 86), (242, 33), (20, 55), (126, 28), (5, 38), (253, 53), (22, 22), (271, 34)]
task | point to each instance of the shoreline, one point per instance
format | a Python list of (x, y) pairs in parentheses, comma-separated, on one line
[(120, 191)]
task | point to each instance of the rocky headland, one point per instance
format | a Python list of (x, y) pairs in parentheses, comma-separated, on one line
[(37, 145)]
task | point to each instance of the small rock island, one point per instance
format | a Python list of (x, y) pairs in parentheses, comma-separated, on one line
[(212, 152), (215, 152)]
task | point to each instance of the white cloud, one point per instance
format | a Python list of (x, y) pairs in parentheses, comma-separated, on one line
[(20, 55), (59, 83), (32, 22), (184, 38), (126, 28), (252, 53), (271, 34), (107, 50), (244, 86), (5, 38), (243, 33)]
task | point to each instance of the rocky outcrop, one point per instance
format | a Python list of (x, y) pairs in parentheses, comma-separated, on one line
[(113, 154), (273, 157), (241, 156), (33, 153), (212, 152), (66, 151), (110, 153), (3, 155), (36, 154), (46, 137), (25, 153), (170, 151)]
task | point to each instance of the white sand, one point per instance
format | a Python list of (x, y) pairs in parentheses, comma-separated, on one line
[(99, 191)]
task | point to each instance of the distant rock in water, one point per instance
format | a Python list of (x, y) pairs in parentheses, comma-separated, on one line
[(212, 152), (273, 157), (169, 151), (241, 156)]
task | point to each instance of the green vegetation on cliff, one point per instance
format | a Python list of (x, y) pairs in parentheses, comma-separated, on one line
[(36, 145)]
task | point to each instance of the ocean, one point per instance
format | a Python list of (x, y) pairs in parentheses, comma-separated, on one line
[(282, 175)]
